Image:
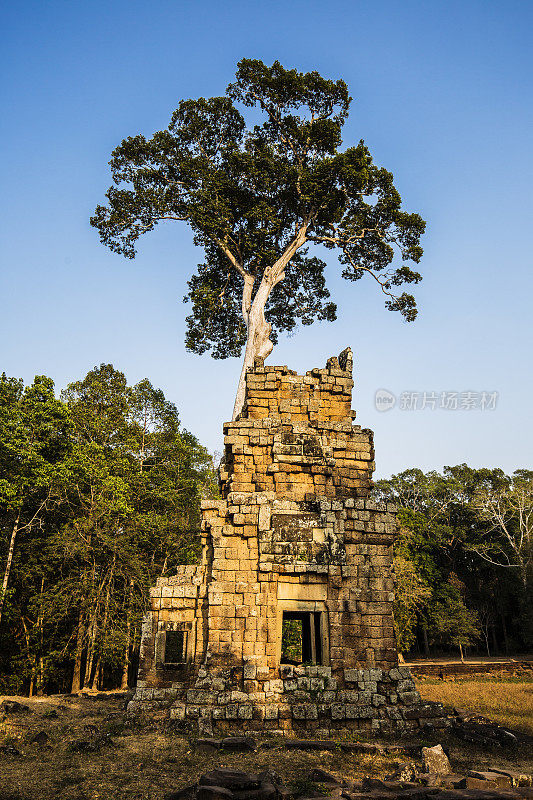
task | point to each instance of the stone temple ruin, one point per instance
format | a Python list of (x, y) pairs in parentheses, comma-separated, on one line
[(286, 624)]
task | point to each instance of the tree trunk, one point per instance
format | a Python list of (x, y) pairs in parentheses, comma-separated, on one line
[(426, 642), (495, 648), (104, 633), (504, 631), (92, 630), (94, 686), (126, 663), (40, 683), (32, 680), (461, 651), (40, 689), (76, 674), (258, 344), (8, 563), (90, 651)]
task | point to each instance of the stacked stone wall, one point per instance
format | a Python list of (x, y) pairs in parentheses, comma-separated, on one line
[(294, 533)]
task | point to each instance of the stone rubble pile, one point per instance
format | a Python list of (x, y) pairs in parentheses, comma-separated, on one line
[(226, 784)]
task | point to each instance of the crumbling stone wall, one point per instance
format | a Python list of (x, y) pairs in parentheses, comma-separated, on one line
[(295, 533)]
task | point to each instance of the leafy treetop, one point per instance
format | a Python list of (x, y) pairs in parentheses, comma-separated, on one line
[(257, 197)]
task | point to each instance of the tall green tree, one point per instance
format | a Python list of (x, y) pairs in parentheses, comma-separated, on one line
[(451, 622), (410, 599), (258, 194), (34, 439), (130, 500), (96, 500), (108, 486), (506, 509), (452, 535)]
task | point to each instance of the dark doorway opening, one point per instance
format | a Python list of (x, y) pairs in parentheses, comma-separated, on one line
[(175, 647), (301, 641)]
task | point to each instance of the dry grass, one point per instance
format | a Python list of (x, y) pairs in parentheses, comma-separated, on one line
[(509, 703), (141, 763), (144, 762)]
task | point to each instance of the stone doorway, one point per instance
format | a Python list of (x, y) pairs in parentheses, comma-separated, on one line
[(303, 634), (300, 641)]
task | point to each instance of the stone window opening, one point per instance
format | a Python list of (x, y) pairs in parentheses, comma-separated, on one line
[(301, 638), (175, 647)]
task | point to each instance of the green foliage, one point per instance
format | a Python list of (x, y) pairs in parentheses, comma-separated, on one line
[(116, 483), (34, 430), (248, 185), (411, 596), (462, 575), (292, 641), (451, 623)]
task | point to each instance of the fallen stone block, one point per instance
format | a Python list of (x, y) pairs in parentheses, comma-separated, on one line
[(495, 778), (266, 791), (40, 738), (213, 793), (516, 778), (435, 760), (186, 793), (239, 744), (9, 750), (321, 776), (208, 745), (230, 779), (13, 707), (310, 744)]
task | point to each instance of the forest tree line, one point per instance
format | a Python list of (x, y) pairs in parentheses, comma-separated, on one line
[(463, 560), (100, 495)]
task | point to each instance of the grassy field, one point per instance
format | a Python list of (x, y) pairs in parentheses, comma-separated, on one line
[(144, 761), (510, 703), (141, 762)]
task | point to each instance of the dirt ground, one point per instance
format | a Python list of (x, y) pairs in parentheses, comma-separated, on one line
[(131, 760)]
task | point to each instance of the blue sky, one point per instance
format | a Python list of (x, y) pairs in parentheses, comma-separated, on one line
[(442, 97)]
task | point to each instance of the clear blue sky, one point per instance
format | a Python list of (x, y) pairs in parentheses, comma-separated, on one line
[(443, 98)]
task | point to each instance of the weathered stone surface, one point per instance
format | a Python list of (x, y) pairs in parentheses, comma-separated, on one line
[(186, 793), (295, 533), (239, 744), (321, 776), (496, 778), (231, 779), (516, 778), (436, 761), (208, 745), (40, 738), (13, 707), (213, 793), (266, 791), (310, 744), (480, 730), (9, 750), (225, 784)]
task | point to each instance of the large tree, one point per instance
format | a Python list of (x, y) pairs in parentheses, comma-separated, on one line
[(34, 439), (130, 503), (258, 197)]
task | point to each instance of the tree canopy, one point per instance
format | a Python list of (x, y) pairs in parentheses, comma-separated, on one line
[(463, 557), (260, 192), (99, 495)]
